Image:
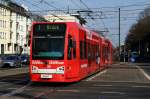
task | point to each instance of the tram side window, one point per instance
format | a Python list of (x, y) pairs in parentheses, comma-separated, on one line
[(93, 52), (103, 53), (108, 53), (89, 51), (83, 49), (97, 51), (74, 49), (70, 46)]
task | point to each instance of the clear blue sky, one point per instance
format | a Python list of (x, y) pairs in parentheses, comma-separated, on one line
[(130, 10)]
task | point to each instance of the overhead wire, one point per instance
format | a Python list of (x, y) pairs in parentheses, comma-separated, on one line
[(50, 6), (92, 17), (125, 12)]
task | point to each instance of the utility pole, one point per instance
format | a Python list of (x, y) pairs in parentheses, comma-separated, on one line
[(119, 37), (68, 7), (124, 55)]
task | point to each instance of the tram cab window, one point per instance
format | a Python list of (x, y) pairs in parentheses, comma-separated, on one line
[(71, 47)]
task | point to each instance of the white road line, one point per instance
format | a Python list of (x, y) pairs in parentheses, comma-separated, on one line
[(52, 90), (39, 95), (69, 90), (19, 90), (103, 85), (108, 81), (112, 92), (4, 85), (144, 73), (100, 73), (141, 86)]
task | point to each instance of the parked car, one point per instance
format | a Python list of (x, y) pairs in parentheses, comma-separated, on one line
[(25, 59), (11, 61), (134, 57)]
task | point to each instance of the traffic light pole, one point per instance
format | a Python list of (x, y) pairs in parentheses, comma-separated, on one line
[(119, 37)]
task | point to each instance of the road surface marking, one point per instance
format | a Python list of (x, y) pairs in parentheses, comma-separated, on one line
[(141, 86), (100, 73), (19, 90), (52, 91), (103, 85), (108, 81), (112, 92), (145, 74), (4, 85), (70, 90), (44, 93)]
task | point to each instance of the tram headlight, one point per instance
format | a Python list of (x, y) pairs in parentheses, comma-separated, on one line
[(60, 69), (34, 69)]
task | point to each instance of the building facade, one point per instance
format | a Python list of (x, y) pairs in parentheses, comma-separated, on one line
[(4, 27), (14, 27), (20, 23)]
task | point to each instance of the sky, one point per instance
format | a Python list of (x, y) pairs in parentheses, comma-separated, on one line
[(104, 12)]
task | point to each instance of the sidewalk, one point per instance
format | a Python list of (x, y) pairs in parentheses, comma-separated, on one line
[(13, 71), (122, 73)]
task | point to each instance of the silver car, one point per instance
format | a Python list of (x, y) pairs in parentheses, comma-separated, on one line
[(11, 61)]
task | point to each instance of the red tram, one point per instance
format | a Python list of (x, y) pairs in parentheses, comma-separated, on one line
[(66, 52)]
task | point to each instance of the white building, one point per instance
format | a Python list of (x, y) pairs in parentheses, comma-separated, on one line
[(18, 24), (4, 27), (19, 28)]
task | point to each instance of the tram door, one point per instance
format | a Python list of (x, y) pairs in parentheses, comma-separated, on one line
[(71, 57)]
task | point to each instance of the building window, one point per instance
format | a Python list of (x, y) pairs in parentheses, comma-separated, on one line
[(3, 24), (15, 47), (5, 47), (10, 13), (0, 11), (0, 23), (17, 25), (17, 36), (11, 24), (4, 12), (11, 35), (9, 44), (1, 37), (5, 36)]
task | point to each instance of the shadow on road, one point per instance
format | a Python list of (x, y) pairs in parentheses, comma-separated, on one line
[(19, 79), (23, 79)]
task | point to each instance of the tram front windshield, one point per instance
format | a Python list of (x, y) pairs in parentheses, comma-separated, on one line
[(48, 41)]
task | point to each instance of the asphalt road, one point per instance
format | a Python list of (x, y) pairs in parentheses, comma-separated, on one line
[(119, 81)]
